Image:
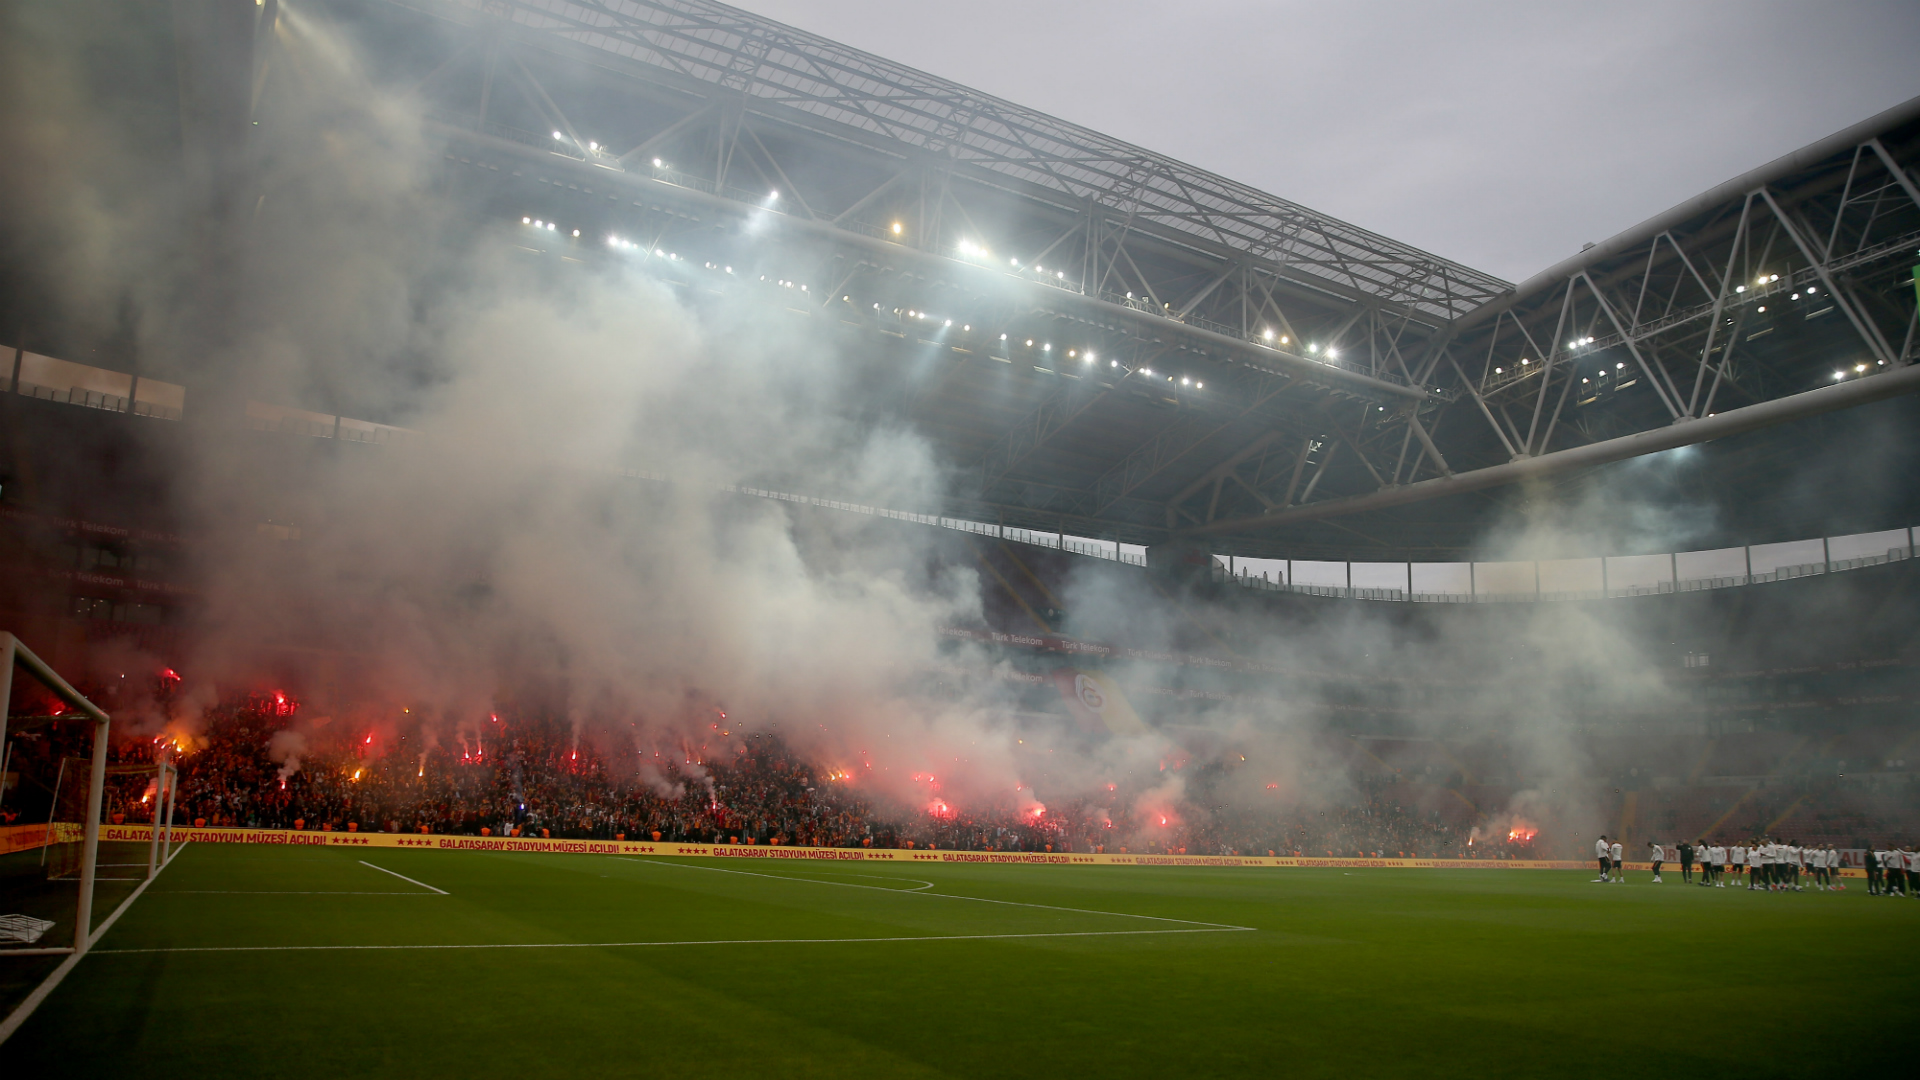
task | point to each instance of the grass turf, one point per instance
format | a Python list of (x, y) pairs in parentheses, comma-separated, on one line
[(1369, 972)]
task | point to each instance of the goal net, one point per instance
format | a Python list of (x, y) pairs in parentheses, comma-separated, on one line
[(53, 744)]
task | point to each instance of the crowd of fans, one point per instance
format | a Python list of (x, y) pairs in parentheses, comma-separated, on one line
[(244, 767)]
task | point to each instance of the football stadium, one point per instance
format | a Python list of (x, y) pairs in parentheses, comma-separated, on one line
[(628, 538)]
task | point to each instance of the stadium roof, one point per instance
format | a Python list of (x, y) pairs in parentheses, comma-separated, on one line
[(1271, 381), (782, 68)]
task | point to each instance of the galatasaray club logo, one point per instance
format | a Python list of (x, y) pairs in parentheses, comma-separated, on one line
[(1089, 693), (1096, 703)]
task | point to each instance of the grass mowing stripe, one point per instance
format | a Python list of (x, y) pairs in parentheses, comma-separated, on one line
[(665, 944), (944, 896), (403, 877)]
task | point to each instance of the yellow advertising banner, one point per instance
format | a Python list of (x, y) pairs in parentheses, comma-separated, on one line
[(23, 837)]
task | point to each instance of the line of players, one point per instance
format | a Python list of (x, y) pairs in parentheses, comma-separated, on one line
[(1769, 865)]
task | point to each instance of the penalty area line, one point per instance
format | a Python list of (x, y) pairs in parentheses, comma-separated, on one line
[(669, 944), (404, 878), (943, 896)]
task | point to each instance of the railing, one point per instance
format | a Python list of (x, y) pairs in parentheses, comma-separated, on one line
[(93, 399), (1475, 593)]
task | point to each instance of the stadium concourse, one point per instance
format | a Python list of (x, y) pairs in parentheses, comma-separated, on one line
[(618, 537)]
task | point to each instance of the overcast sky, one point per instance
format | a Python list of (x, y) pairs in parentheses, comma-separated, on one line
[(1500, 135)]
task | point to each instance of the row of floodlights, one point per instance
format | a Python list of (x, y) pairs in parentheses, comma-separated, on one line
[(1858, 369), (1086, 357), (623, 244), (1271, 338)]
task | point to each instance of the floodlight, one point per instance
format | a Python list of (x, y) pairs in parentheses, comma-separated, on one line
[(896, 228), (557, 135)]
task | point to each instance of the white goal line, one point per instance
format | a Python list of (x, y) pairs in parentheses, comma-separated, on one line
[(666, 944)]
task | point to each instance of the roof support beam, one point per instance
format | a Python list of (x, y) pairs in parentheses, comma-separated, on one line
[(1846, 395)]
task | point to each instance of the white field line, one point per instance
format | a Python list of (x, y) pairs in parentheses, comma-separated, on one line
[(284, 892), (885, 877), (404, 878), (665, 944), (943, 896), (33, 1000)]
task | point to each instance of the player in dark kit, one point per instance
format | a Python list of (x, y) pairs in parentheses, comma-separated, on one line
[(1686, 862)]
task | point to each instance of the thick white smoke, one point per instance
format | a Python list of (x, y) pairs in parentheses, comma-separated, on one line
[(505, 549)]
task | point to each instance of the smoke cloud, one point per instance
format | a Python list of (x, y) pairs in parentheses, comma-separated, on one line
[(510, 546)]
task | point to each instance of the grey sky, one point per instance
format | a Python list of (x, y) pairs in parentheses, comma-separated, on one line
[(1501, 135)]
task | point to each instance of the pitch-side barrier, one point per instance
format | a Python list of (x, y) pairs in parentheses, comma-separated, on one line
[(776, 852)]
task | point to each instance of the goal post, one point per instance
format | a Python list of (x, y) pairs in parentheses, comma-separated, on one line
[(15, 654)]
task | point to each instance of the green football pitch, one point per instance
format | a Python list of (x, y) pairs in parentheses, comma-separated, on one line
[(298, 962)]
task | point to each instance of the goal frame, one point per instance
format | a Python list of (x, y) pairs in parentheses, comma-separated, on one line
[(15, 653)]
